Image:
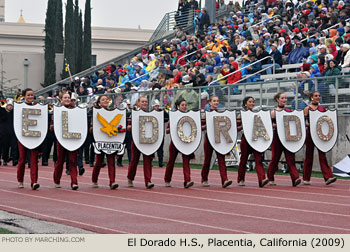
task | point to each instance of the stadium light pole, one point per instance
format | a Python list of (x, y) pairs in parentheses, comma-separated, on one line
[(210, 6), (26, 65)]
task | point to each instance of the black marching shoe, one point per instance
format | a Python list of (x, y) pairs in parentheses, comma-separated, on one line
[(81, 171), (35, 186), (264, 183), (297, 182)]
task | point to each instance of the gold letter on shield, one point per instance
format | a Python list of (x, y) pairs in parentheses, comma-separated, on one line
[(286, 120), (320, 121), (27, 122), (222, 128), (259, 129), (180, 132), (65, 133), (142, 129)]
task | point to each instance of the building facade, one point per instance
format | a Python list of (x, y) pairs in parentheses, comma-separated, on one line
[(22, 43)]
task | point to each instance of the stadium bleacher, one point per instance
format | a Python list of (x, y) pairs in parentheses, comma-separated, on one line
[(296, 29)]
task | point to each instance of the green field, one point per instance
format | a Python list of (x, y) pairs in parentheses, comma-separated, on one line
[(5, 231)]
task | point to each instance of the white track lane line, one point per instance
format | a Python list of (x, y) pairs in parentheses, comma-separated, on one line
[(231, 192), (224, 213), (127, 212), (270, 189), (59, 219)]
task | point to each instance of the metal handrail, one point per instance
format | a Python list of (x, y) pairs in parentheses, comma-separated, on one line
[(224, 77), (264, 21), (341, 105), (185, 56), (324, 30), (116, 60)]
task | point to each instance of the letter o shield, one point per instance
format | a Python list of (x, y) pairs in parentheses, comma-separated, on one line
[(324, 129), (185, 130)]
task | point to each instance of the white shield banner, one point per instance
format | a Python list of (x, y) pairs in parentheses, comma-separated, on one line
[(70, 126), (147, 130), (257, 128), (324, 129), (185, 130), (221, 130), (291, 129), (30, 124), (109, 130)]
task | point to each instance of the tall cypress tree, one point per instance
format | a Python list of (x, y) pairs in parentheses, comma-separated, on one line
[(86, 62), (50, 65), (76, 31), (79, 44), (69, 39), (59, 27)]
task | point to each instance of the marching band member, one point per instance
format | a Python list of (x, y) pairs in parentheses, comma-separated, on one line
[(309, 152), (208, 151), (277, 147), (102, 102), (246, 150), (61, 156), (181, 105), (141, 103), (28, 95)]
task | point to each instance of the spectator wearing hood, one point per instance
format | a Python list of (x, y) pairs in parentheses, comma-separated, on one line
[(312, 52), (299, 53), (332, 50)]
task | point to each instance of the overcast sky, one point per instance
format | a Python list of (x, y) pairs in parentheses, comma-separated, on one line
[(105, 13)]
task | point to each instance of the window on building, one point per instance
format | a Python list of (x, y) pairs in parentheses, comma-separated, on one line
[(93, 60)]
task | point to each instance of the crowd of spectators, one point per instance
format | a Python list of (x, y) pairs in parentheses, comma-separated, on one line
[(314, 33)]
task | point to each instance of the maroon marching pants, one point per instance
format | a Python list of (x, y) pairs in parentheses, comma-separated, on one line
[(22, 161), (277, 149), (98, 166), (147, 164), (246, 150), (170, 166), (309, 158), (208, 152), (61, 156)]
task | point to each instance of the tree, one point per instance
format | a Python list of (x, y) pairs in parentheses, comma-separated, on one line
[(86, 61), (59, 28), (76, 33), (69, 39), (50, 56), (79, 43)]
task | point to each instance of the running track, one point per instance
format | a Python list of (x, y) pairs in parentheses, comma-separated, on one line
[(250, 209)]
